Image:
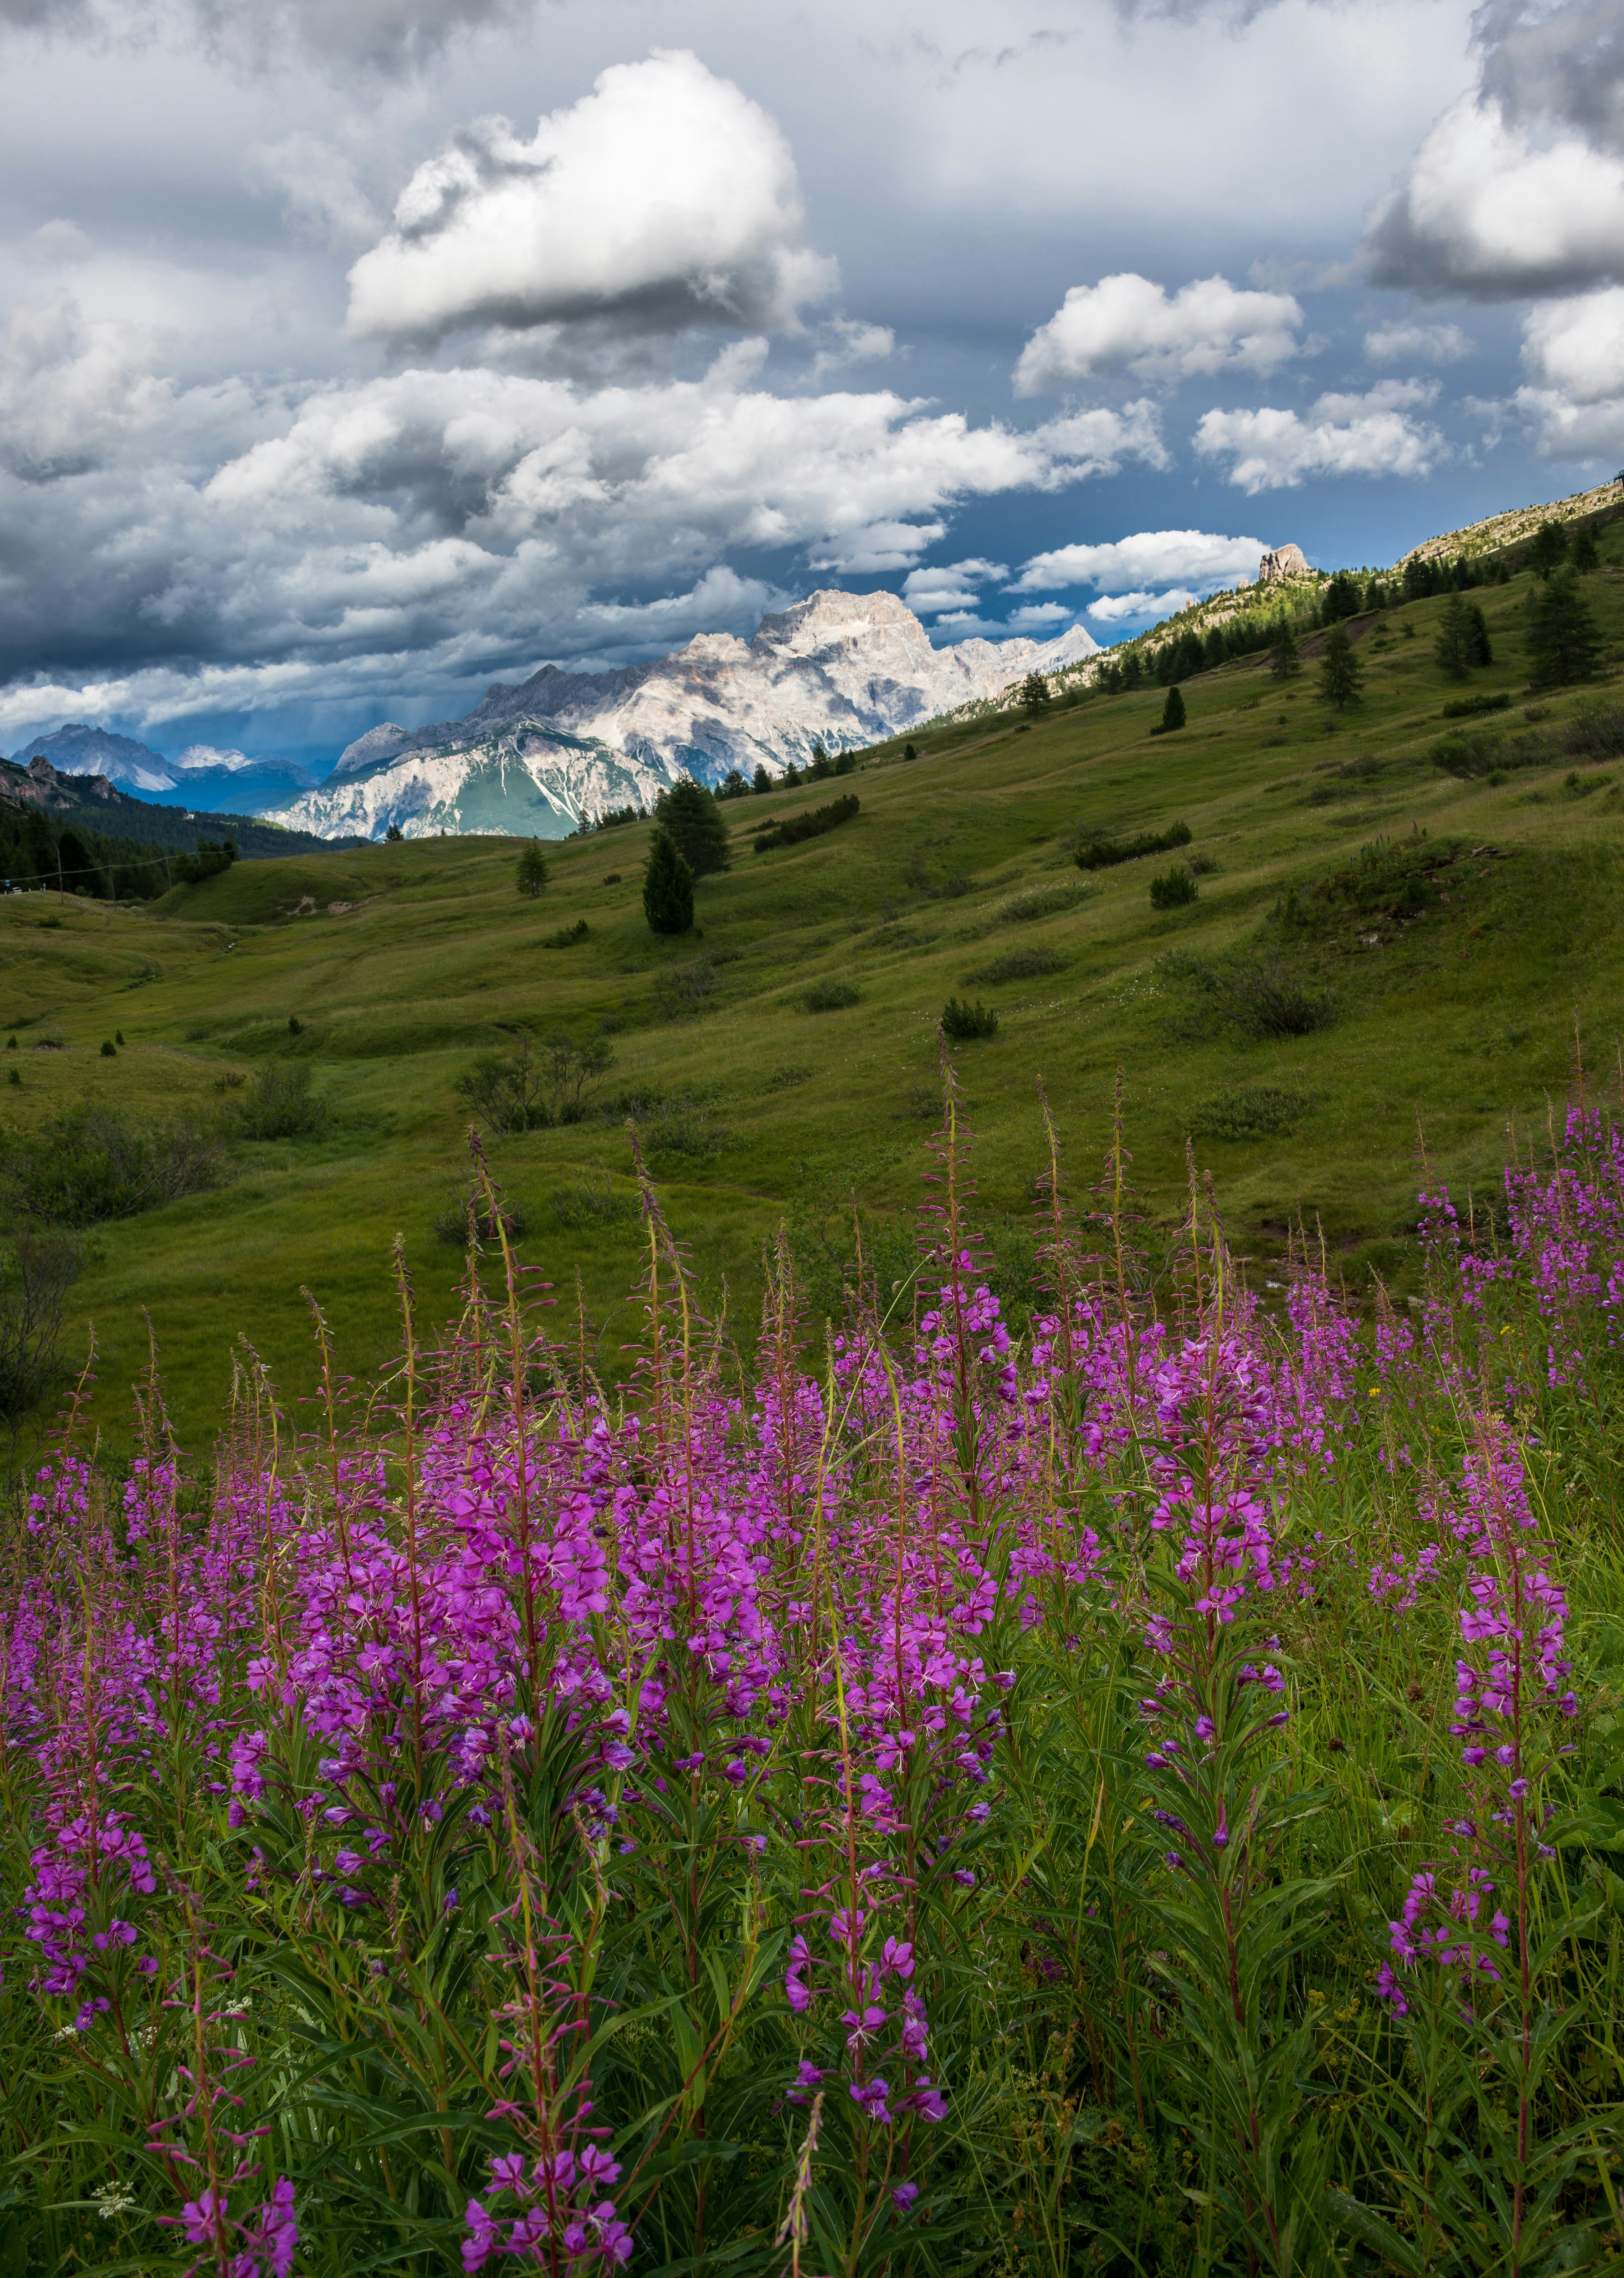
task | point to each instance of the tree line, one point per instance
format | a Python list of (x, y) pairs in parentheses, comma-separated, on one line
[(41, 850)]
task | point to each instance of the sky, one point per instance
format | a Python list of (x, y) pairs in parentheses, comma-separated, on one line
[(355, 354)]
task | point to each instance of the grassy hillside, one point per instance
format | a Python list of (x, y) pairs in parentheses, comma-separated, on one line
[(1451, 927)]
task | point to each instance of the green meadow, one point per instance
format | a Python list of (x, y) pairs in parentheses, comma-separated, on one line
[(1461, 939)]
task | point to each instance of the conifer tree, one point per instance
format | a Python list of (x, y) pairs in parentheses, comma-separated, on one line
[(532, 874), (1482, 649), (1341, 673), (1034, 696), (667, 886), (1583, 556), (1453, 646), (1562, 637), (1173, 714), (694, 820), (1549, 549), (821, 764), (1283, 659), (760, 780), (1132, 669)]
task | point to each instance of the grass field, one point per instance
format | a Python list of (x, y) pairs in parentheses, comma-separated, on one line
[(404, 962)]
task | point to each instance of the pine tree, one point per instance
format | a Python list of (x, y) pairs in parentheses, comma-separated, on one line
[(1034, 696), (1562, 637), (1340, 674), (821, 764), (667, 886), (760, 780), (1132, 669), (1453, 646), (1549, 549), (693, 819), (1173, 714), (1283, 659), (1483, 652), (532, 872), (1584, 556), (1344, 596), (393, 835)]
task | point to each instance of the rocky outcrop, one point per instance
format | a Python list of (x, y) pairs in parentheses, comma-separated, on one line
[(1285, 562)]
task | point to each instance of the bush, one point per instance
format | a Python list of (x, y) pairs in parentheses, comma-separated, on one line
[(1106, 853), (281, 1104), (110, 1051), (1248, 1110), (1041, 902), (595, 1200), (962, 1022), (796, 829), (93, 1164), (1017, 964), (1467, 707), (34, 1279), (682, 991), (566, 937), (469, 1217), (1595, 733), (683, 1131), (786, 1078), (829, 996), (1264, 999), (1173, 890), (507, 1091)]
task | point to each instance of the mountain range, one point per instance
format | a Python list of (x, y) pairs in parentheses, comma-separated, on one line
[(536, 758), (842, 670), (204, 776)]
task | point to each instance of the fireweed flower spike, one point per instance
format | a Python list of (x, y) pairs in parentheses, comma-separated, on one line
[(738, 1803)]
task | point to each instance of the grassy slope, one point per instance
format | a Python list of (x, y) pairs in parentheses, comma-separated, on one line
[(1463, 1022)]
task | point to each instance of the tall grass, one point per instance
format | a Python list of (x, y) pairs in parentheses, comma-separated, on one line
[(1137, 1799)]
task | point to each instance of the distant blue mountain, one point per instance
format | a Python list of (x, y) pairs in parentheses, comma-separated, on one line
[(212, 781)]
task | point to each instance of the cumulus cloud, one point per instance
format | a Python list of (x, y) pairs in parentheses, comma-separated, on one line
[(1564, 63), (1185, 557), (394, 36), (1127, 323), (1573, 354), (69, 390), (1411, 343), (317, 186), (1127, 609), (1518, 187), (213, 546), (1038, 617), (56, 245), (663, 200), (949, 586), (1488, 211), (1369, 434), (845, 341)]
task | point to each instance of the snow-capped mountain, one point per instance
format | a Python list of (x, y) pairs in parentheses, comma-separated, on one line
[(839, 669), (228, 782), (80, 750)]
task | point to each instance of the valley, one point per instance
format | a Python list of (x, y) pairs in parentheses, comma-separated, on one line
[(1451, 1006)]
